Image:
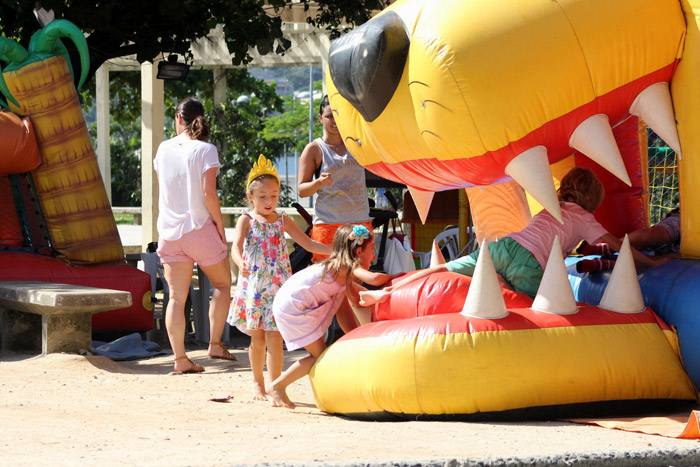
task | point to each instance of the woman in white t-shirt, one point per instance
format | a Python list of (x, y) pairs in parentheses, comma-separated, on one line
[(190, 229)]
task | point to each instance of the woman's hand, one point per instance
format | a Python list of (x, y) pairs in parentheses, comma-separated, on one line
[(371, 297), (325, 179), (222, 233)]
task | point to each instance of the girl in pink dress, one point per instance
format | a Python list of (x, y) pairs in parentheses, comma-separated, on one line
[(260, 251), (305, 305)]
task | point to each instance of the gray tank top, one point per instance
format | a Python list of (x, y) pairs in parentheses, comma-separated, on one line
[(345, 201)]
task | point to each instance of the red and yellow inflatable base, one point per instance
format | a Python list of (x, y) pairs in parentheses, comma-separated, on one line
[(529, 364)]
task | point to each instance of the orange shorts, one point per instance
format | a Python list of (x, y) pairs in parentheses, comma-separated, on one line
[(324, 233)]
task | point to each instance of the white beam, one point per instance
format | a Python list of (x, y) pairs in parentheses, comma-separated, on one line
[(152, 134), (309, 47), (103, 138)]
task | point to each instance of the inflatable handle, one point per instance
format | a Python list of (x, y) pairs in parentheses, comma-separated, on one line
[(47, 40), (13, 52)]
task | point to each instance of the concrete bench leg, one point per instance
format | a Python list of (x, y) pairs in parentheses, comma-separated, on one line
[(66, 332)]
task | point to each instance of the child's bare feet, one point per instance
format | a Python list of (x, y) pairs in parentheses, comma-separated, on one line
[(259, 393), (370, 297), (279, 398)]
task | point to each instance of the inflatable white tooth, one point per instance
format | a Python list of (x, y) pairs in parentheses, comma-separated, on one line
[(436, 256), (653, 105), (422, 200), (623, 294), (554, 294), (485, 299), (531, 170), (594, 138)]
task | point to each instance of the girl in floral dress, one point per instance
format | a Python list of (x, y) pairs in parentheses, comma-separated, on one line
[(260, 251)]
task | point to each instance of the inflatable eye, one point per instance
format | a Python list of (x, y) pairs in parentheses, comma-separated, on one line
[(367, 63)]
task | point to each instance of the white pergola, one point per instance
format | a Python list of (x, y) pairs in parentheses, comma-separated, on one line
[(309, 47)]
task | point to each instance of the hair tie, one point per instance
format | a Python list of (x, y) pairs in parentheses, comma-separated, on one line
[(359, 233)]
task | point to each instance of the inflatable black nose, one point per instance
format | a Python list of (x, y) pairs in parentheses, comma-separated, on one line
[(366, 64)]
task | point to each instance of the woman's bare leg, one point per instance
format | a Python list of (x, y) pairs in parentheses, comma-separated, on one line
[(178, 275), (277, 389), (275, 354), (256, 354), (219, 275)]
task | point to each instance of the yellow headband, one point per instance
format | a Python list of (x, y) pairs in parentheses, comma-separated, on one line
[(262, 167)]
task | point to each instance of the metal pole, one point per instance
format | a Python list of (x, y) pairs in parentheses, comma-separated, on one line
[(286, 165), (296, 163)]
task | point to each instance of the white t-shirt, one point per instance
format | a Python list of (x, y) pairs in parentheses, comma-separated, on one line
[(180, 163), (539, 234)]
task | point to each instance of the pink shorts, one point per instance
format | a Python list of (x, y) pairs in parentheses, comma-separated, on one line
[(202, 246)]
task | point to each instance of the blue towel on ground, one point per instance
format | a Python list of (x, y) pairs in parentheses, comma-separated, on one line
[(129, 347)]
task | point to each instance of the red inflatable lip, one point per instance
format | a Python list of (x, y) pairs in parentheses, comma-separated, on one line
[(488, 169), (438, 293), (517, 320)]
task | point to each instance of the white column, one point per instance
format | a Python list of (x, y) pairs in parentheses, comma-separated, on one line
[(152, 133), (103, 139)]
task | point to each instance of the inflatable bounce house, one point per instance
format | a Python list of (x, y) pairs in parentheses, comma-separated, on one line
[(56, 223), (502, 98)]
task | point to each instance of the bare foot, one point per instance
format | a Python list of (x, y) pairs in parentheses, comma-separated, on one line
[(279, 398), (259, 393), (370, 297)]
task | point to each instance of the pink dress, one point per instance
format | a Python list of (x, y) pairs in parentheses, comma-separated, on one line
[(305, 306)]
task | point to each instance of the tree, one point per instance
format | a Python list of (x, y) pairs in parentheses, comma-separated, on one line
[(291, 127), (117, 28)]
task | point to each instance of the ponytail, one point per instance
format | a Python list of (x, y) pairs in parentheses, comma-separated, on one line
[(199, 128), (192, 113)]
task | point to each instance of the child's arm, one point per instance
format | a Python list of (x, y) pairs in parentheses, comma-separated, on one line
[(239, 235), (371, 297), (374, 278), (640, 259), (303, 240)]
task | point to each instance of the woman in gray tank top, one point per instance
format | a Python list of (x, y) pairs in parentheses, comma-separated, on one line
[(339, 190)]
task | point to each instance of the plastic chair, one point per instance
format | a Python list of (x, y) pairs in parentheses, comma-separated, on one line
[(448, 242)]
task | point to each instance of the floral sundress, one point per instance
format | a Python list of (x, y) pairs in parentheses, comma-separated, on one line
[(265, 250)]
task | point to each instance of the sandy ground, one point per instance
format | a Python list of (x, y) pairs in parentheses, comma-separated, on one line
[(66, 409)]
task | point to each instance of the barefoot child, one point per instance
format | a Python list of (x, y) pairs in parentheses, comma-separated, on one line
[(520, 258), (305, 305), (260, 251)]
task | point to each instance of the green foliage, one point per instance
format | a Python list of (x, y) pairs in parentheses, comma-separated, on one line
[(291, 127), (236, 129), (339, 16)]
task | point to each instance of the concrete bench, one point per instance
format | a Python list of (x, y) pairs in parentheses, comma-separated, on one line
[(52, 317)]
